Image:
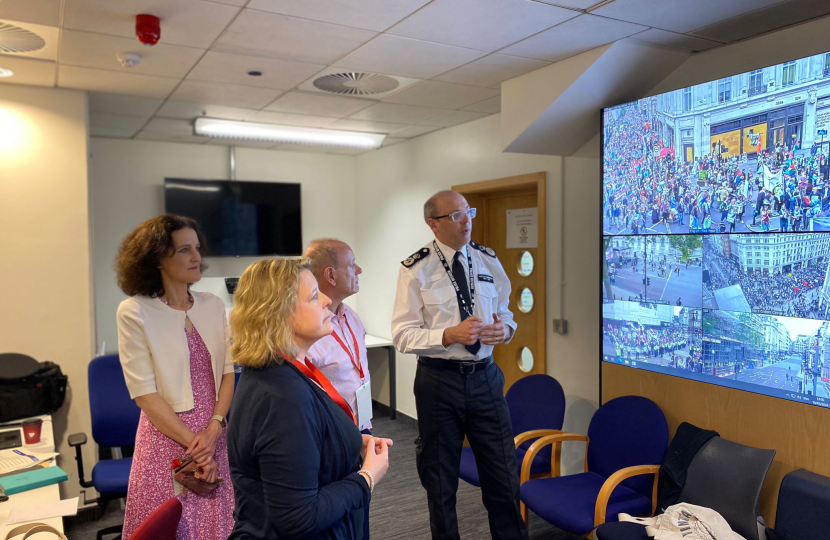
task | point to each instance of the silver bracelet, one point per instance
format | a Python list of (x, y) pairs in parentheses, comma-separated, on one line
[(371, 478)]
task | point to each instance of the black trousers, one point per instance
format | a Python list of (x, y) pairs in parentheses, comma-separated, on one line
[(450, 405)]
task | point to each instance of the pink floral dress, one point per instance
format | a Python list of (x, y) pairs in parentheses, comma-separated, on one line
[(151, 481)]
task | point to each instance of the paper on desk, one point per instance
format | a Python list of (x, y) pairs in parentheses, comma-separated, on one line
[(39, 512), (18, 458)]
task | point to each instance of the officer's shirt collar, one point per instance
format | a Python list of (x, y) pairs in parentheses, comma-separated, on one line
[(449, 253)]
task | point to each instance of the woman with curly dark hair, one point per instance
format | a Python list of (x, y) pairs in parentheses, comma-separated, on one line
[(174, 349)]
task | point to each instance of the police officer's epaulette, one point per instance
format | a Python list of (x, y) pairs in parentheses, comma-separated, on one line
[(419, 255), (483, 249)]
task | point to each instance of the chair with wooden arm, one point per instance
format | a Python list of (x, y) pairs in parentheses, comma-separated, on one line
[(628, 437), (537, 408)]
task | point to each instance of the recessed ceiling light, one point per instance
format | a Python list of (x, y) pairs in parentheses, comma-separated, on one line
[(230, 129), (255, 73), (6, 72)]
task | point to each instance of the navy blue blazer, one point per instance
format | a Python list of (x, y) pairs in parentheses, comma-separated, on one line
[(294, 456)]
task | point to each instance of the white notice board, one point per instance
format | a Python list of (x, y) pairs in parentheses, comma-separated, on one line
[(522, 228)]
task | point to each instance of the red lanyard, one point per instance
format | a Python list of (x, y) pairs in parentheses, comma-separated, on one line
[(311, 371), (357, 363)]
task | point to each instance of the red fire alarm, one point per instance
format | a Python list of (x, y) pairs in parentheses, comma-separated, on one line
[(147, 29)]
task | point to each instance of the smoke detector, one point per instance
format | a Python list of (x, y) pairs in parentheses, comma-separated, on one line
[(345, 82), (128, 59), (16, 40)]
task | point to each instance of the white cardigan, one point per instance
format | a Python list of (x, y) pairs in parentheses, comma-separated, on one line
[(152, 346)]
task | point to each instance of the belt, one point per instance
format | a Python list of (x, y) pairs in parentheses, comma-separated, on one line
[(466, 367)]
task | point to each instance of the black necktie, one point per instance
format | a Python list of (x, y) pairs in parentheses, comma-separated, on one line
[(461, 279)]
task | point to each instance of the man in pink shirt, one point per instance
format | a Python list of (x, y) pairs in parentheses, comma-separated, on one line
[(341, 356)]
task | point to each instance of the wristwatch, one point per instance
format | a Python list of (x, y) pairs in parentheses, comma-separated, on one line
[(221, 419)]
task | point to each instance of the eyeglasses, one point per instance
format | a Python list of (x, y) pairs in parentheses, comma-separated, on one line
[(458, 216)]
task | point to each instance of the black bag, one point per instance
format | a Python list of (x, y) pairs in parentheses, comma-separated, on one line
[(29, 388)]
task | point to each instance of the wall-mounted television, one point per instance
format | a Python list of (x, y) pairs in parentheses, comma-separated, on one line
[(716, 235), (240, 218)]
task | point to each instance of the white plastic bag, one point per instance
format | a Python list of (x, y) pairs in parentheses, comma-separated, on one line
[(686, 522)]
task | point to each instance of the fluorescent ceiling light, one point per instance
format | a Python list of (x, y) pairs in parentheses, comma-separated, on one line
[(193, 188), (231, 129), (6, 72)]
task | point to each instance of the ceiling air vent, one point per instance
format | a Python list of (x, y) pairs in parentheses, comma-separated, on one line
[(15, 40), (356, 84)]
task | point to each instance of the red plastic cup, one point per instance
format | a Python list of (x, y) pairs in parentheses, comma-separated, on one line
[(31, 430)]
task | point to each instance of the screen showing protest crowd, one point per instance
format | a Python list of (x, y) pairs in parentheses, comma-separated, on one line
[(716, 232)]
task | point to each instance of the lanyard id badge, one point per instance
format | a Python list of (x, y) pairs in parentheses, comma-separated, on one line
[(469, 310), (355, 361), (364, 403)]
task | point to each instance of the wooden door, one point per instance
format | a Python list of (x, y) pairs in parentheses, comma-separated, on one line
[(492, 199)]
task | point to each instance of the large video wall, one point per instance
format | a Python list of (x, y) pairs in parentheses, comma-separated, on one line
[(716, 232)]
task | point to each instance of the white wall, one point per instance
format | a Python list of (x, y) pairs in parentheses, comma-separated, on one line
[(45, 266), (393, 184), (128, 187)]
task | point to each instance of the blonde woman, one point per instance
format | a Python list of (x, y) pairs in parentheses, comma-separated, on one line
[(295, 451)]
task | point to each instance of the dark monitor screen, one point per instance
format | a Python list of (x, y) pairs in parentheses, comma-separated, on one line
[(240, 218)]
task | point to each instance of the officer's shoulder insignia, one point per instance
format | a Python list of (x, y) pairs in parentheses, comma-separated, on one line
[(483, 249), (413, 259)]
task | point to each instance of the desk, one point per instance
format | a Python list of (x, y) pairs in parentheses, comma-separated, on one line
[(41, 495), (376, 342)]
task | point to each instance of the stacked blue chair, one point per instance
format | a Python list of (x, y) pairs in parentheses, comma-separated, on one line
[(537, 408), (624, 433), (114, 423)]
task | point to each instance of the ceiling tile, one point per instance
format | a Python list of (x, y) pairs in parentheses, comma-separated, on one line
[(49, 34), (681, 41), (394, 55), (168, 137), (100, 51), (679, 15), (454, 118), (29, 71), (123, 105), (114, 82), (375, 15), (573, 37), (492, 106), (233, 68), (389, 141), (318, 104), (241, 142), (492, 70), (45, 12), (305, 120), (189, 111), (120, 133), (765, 20), (487, 25), (170, 126), (229, 95), (413, 131), (575, 4), (403, 114), (442, 95), (366, 125), (105, 120), (239, 3), (184, 22), (289, 38)]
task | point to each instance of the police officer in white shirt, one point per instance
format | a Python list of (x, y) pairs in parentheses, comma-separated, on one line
[(451, 310)]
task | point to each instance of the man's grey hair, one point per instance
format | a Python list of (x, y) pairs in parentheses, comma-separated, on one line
[(324, 253), (431, 206)]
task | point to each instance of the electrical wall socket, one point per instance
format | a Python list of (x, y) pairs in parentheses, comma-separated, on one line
[(560, 326)]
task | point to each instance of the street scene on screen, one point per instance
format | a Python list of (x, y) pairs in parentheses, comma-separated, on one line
[(747, 153), (777, 274), (665, 269)]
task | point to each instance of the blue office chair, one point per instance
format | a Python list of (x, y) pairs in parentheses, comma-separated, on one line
[(625, 432), (114, 423), (537, 408)]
